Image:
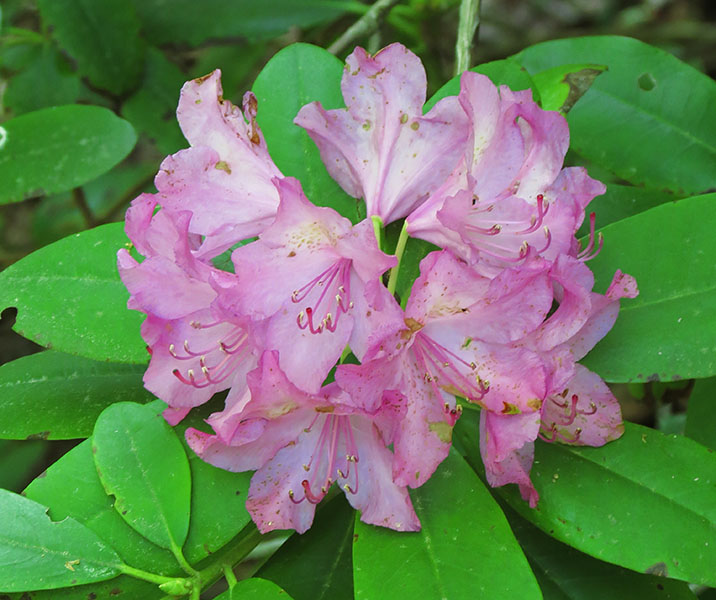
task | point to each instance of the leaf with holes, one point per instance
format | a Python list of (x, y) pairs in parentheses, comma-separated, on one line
[(566, 574), (464, 538), (70, 297), (649, 118), (60, 148), (37, 553), (58, 396), (142, 463), (644, 501), (668, 332), (561, 87)]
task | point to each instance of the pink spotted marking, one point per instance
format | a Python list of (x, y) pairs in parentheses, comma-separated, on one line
[(333, 288), (334, 458)]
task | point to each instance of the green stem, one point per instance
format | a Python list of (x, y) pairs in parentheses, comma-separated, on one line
[(399, 249), (467, 26), (183, 562), (231, 554), (378, 230), (366, 25), (145, 575), (229, 576)]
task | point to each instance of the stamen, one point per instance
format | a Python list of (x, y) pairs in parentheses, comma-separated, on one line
[(589, 253)]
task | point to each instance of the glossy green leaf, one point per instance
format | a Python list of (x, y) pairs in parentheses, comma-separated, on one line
[(152, 108), (636, 119), (622, 201), (644, 501), (57, 149), (501, 72), (103, 37), (303, 74), (123, 587), (566, 574), (47, 81), (254, 589), (142, 463), (560, 87), (318, 564), (57, 396), (218, 508), (464, 538), (194, 22), (701, 413), (69, 297), (669, 331), (36, 553), (72, 488)]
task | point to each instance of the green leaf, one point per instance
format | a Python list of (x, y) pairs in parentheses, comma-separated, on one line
[(36, 553), (644, 501), (194, 22), (142, 463), (71, 488), (57, 396), (566, 574), (501, 72), (47, 81), (464, 538), (669, 331), (303, 74), (561, 87), (701, 413), (318, 564), (635, 119), (70, 297), (123, 587), (218, 507), (152, 109), (57, 149), (254, 589), (18, 461), (622, 201), (103, 37)]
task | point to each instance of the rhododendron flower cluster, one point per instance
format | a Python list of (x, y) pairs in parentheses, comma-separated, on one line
[(497, 318)]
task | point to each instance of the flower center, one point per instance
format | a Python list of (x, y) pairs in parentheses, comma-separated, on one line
[(329, 293), (551, 433)]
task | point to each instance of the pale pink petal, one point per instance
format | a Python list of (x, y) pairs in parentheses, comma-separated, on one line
[(380, 500), (508, 450), (586, 413), (382, 148)]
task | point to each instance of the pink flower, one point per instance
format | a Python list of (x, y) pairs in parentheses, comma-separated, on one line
[(579, 408), (381, 148), (509, 193), (301, 444), (225, 178), (457, 337), (196, 348), (306, 276)]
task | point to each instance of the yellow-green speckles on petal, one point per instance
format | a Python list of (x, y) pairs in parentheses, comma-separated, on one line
[(510, 409), (442, 430), (367, 125), (403, 118), (414, 125), (222, 165)]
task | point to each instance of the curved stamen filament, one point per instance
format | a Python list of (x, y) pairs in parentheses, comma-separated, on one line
[(589, 252), (339, 273), (552, 435), (536, 222)]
